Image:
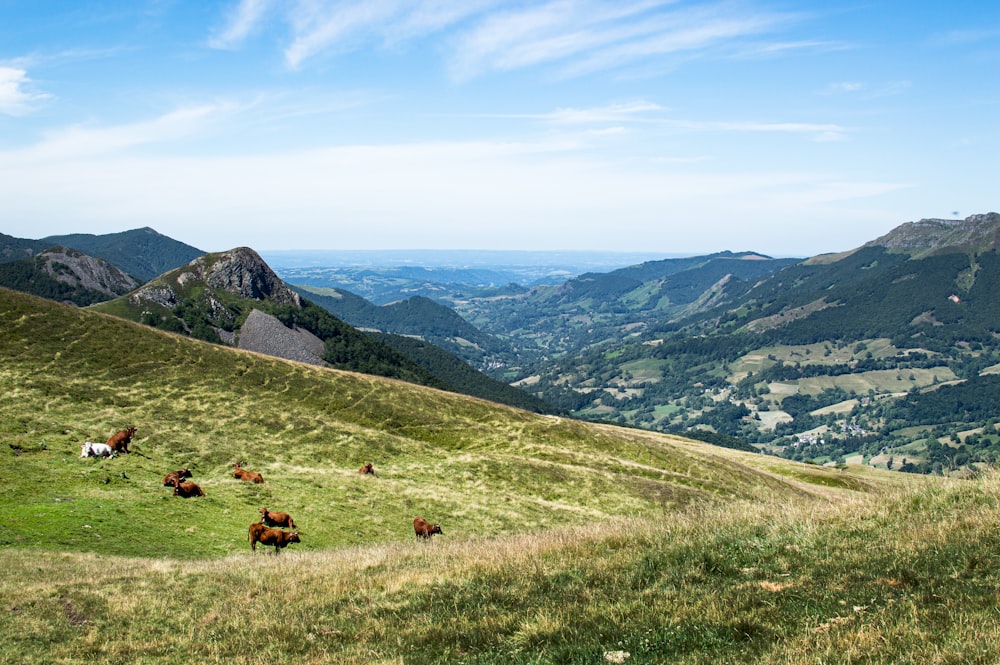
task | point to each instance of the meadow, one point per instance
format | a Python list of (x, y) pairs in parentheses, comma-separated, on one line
[(564, 541)]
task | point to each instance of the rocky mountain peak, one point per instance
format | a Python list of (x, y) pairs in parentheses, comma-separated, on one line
[(239, 271), (243, 272), (977, 232)]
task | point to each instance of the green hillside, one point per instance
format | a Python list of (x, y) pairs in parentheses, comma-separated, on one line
[(564, 542), (73, 376), (143, 252), (417, 316), (840, 358)]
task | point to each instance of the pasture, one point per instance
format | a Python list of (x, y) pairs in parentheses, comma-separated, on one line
[(564, 541)]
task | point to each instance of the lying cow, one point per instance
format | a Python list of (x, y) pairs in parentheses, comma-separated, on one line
[(179, 474), (276, 519), (90, 449), (425, 529), (243, 474), (119, 440), (259, 533), (367, 469), (186, 490)]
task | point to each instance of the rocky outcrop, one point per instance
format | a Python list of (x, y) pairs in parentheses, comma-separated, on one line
[(976, 233), (78, 270), (239, 271)]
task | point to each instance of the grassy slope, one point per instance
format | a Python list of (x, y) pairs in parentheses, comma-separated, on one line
[(616, 539), (72, 376)]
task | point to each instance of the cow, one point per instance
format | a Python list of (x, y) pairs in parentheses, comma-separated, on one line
[(243, 474), (425, 529), (186, 490), (119, 440), (259, 533), (90, 449), (367, 469), (179, 474), (276, 519)]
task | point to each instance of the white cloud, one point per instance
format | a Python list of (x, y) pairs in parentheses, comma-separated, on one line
[(319, 27), (15, 99), (242, 21), (482, 36), (820, 131), (81, 142)]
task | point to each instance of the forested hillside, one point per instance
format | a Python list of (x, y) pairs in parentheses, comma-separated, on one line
[(838, 358)]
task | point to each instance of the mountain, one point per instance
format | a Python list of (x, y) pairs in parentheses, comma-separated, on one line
[(416, 316), (594, 309), (234, 298), (835, 358), (68, 275), (462, 377), (15, 249), (975, 234), (142, 253)]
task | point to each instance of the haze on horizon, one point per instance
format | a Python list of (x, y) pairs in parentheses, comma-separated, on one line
[(665, 126)]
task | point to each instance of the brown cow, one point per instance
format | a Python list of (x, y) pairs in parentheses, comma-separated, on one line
[(186, 490), (243, 474), (367, 469), (425, 529), (119, 440), (276, 519), (259, 533), (179, 474)]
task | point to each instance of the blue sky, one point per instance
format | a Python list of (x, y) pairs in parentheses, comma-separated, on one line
[(789, 128)]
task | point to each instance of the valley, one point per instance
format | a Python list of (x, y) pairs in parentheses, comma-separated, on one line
[(819, 360)]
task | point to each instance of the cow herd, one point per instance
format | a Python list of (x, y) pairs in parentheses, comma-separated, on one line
[(264, 531)]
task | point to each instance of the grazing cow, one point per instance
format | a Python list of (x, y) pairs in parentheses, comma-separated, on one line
[(90, 449), (366, 469), (276, 519), (259, 533), (186, 490), (179, 474), (119, 440), (243, 474), (425, 529)]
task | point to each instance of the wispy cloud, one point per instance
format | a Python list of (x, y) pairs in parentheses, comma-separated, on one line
[(16, 98), (580, 37), (867, 90), (346, 26), (635, 110), (81, 141), (576, 37), (817, 131), (242, 21), (968, 36)]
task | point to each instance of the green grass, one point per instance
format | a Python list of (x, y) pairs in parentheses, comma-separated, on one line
[(563, 541), (905, 577)]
